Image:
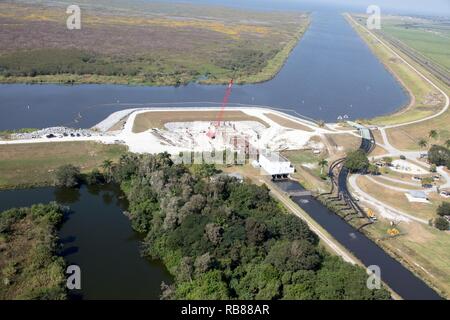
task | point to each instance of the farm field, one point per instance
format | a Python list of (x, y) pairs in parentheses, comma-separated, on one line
[(429, 37), (131, 42)]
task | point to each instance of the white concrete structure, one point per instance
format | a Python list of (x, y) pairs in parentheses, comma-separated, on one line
[(274, 164)]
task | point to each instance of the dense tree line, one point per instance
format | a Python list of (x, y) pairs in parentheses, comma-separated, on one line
[(29, 266), (245, 61), (443, 212), (54, 61), (439, 155), (222, 239), (33, 63)]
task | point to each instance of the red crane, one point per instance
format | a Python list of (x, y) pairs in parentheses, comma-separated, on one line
[(212, 133)]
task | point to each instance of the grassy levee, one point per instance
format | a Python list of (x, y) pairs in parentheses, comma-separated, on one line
[(419, 90), (27, 165), (421, 248), (425, 99), (431, 38)]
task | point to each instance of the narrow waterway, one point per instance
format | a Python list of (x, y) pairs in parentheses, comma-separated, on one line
[(393, 273), (98, 238)]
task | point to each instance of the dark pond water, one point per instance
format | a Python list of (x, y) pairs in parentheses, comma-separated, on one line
[(397, 277), (98, 238), (330, 73)]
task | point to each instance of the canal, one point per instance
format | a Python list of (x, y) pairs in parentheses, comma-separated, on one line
[(393, 273)]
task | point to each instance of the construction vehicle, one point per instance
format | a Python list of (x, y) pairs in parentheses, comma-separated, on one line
[(213, 131), (393, 232)]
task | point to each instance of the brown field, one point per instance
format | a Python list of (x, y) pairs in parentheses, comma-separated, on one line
[(287, 123), (347, 141), (144, 43), (33, 164), (401, 176), (157, 119), (396, 184), (422, 248), (377, 151), (398, 199), (407, 137)]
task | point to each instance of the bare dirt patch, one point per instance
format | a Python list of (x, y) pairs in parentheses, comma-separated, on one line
[(287, 123), (157, 119)]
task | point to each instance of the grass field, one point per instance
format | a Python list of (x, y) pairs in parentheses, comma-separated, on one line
[(157, 119), (399, 201), (345, 141), (135, 42), (33, 164), (309, 177), (422, 248)]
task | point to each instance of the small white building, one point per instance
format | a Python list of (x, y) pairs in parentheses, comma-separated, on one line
[(275, 165), (417, 196)]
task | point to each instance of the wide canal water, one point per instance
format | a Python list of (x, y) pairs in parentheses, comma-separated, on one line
[(330, 73)]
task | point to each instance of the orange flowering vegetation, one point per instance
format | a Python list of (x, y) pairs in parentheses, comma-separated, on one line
[(57, 15), (232, 30)]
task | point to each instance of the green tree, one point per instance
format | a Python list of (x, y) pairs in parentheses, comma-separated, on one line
[(438, 155), (443, 209), (433, 134), (94, 177), (441, 223), (260, 281), (293, 256), (447, 143), (357, 161), (322, 164), (107, 168), (373, 169), (427, 181), (422, 143), (388, 160), (208, 286), (67, 176), (343, 281)]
